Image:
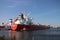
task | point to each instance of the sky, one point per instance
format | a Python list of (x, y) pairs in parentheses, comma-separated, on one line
[(45, 12)]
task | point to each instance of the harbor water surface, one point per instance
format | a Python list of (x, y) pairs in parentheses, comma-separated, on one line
[(46, 34)]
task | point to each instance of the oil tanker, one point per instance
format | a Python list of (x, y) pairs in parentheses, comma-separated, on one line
[(23, 22)]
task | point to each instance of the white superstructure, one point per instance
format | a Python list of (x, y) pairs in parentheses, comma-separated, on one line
[(23, 19)]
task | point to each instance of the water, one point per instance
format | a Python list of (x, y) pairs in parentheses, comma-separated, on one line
[(46, 34)]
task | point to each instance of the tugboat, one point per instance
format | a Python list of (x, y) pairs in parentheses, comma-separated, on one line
[(2, 26), (23, 22)]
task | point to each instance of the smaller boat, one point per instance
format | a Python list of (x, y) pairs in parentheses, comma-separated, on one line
[(2, 27)]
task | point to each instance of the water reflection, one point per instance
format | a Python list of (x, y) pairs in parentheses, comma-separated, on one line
[(18, 35), (48, 34)]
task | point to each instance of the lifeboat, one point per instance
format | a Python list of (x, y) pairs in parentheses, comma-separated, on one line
[(25, 23)]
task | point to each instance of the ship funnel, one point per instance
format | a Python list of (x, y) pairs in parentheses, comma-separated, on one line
[(22, 16)]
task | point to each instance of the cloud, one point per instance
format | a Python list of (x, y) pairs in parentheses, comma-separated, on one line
[(15, 3), (11, 6)]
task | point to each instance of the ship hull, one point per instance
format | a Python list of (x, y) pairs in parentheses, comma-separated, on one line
[(27, 27)]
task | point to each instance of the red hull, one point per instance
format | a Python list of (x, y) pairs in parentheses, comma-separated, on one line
[(27, 27)]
